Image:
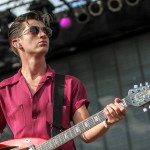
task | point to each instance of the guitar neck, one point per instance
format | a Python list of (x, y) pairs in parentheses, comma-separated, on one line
[(72, 132)]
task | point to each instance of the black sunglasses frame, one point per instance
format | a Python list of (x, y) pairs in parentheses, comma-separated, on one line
[(36, 29)]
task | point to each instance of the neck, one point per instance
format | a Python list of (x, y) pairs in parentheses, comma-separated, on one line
[(32, 69)]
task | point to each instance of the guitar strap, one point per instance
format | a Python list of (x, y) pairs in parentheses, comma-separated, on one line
[(58, 104)]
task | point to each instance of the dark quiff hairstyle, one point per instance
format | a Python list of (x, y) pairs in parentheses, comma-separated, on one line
[(18, 25)]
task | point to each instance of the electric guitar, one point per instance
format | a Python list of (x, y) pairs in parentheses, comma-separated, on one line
[(139, 96)]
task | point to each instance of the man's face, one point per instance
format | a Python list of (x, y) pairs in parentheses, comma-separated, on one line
[(34, 38)]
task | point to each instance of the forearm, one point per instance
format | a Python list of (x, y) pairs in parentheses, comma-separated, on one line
[(113, 112), (94, 133)]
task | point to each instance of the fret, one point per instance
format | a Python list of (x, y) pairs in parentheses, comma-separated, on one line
[(44, 146), (77, 129), (56, 140), (72, 132), (55, 143), (91, 121), (65, 135), (61, 139), (101, 116), (86, 124), (48, 146), (96, 118), (81, 126), (39, 147), (52, 142)]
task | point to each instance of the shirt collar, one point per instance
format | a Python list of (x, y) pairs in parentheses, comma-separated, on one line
[(49, 74), (18, 76)]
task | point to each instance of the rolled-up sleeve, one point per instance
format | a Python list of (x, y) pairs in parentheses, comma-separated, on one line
[(79, 96)]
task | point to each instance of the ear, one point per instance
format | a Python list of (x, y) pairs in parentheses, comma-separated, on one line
[(16, 43)]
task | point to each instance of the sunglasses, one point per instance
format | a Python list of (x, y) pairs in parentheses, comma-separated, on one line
[(36, 29)]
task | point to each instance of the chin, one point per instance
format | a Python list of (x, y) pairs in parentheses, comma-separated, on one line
[(43, 49)]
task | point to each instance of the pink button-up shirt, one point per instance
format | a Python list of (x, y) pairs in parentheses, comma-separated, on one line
[(31, 116)]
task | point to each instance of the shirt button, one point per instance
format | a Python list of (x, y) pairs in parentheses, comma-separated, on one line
[(34, 115)]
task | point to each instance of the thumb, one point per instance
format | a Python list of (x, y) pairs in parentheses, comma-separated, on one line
[(117, 100)]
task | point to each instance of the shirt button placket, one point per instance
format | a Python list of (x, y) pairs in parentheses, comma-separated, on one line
[(34, 115)]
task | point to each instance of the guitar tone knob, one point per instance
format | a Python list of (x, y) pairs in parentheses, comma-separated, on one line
[(146, 83), (145, 109)]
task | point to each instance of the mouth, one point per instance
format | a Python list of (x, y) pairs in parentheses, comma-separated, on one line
[(43, 42)]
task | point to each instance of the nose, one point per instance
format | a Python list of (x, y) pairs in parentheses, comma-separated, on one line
[(42, 33)]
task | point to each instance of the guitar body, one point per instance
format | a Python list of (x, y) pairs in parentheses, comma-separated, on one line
[(21, 144)]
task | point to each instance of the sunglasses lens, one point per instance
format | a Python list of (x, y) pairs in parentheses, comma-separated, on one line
[(34, 29), (47, 31)]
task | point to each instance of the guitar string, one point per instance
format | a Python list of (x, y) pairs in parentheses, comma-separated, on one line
[(72, 132), (144, 88)]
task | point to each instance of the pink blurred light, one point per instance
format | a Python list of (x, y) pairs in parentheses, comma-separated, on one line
[(65, 22)]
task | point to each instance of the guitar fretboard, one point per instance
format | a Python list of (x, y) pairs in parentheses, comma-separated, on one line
[(72, 132)]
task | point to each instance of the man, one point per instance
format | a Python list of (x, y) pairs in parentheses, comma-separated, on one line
[(26, 99)]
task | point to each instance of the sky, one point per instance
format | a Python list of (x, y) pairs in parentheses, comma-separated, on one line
[(23, 9)]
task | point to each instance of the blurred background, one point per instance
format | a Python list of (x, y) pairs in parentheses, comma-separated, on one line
[(106, 44)]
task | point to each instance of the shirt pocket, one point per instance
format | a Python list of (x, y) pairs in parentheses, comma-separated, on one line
[(16, 116)]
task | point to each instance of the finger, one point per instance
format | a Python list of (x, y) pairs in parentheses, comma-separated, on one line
[(118, 104), (107, 113), (111, 108), (115, 111), (110, 118), (117, 100), (121, 107)]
